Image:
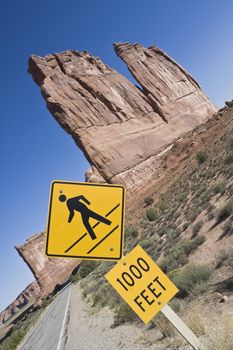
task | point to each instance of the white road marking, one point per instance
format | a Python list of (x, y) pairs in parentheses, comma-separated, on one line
[(64, 321)]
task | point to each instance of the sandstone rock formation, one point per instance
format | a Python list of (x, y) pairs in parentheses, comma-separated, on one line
[(122, 129), (48, 272), (29, 294)]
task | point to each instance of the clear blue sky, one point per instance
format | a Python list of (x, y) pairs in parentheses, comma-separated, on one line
[(34, 149)]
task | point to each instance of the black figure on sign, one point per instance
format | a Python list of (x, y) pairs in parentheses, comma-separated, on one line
[(75, 204)]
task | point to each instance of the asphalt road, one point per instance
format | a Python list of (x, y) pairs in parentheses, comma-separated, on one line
[(48, 334)]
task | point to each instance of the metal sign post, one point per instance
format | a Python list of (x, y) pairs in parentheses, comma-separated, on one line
[(184, 330)]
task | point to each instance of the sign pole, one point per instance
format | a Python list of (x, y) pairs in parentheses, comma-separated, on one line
[(184, 330)]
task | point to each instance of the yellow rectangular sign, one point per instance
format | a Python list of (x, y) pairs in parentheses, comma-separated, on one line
[(85, 220), (141, 283)]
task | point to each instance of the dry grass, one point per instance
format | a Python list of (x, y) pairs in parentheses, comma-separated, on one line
[(224, 340), (196, 324)]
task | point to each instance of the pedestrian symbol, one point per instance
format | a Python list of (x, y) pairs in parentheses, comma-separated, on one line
[(85, 221)]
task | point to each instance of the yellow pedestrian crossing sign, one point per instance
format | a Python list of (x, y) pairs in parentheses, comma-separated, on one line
[(85, 220)]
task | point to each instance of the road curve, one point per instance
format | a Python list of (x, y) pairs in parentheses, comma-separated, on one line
[(49, 332)]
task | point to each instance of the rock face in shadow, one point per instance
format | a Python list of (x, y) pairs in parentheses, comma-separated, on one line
[(49, 272), (122, 129)]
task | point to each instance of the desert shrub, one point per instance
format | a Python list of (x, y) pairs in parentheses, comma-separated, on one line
[(101, 296), (164, 326), (161, 231), (225, 258), (196, 323), (219, 187), (148, 200), (177, 232), (146, 243), (88, 287), (162, 205), (123, 313), (178, 256), (193, 213), (189, 245), (132, 231), (185, 226), (104, 295), (167, 264), (19, 331), (211, 215), (227, 228), (12, 342), (205, 196), (199, 288), (176, 304), (229, 158), (198, 241), (190, 278), (151, 214), (196, 228), (201, 157), (86, 267), (46, 301), (210, 207), (225, 211)]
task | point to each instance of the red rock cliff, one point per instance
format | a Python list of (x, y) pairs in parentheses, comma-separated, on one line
[(121, 128), (29, 294), (48, 272)]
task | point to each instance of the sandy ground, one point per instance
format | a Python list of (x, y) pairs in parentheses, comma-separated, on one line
[(87, 331)]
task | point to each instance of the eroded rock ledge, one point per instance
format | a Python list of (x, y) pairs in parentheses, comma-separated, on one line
[(121, 128), (48, 272)]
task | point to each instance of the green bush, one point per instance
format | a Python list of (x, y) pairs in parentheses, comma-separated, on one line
[(198, 241), (225, 258), (132, 231), (46, 301), (151, 214), (148, 200), (179, 254), (189, 245), (225, 211), (185, 226), (193, 213), (229, 158), (19, 331), (189, 278), (162, 205), (211, 215), (12, 342), (86, 267), (161, 231), (201, 157), (196, 228), (123, 313), (219, 187), (146, 243), (227, 228), (176, 304)]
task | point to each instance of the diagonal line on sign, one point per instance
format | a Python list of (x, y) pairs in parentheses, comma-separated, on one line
[(85, 234), (95, 246)]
